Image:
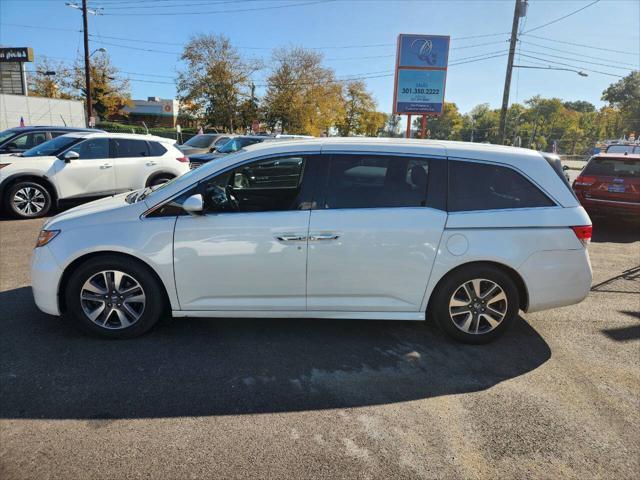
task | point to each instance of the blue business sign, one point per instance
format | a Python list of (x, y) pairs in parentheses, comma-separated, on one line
[(421, 72)]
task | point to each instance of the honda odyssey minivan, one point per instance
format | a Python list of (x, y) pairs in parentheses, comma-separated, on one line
[(465, 234)]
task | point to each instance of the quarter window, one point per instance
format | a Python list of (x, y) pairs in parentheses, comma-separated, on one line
[(156, 149), (126, 148), (266, 185), (476, 186), (356, 181), (95, 148)]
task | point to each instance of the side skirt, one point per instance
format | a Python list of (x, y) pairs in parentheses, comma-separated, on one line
[(414, 316)]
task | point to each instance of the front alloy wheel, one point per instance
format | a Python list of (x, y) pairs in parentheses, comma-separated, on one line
[(115, 296), (112, 299), (28, 200)]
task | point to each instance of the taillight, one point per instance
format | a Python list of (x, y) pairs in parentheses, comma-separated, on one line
[(183, 159), (583, 233), (585, 181)]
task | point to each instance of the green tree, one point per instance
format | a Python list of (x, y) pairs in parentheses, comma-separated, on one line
[(47, 82), (216, 80), (625, 96), (109, 90), (358, 103), (447, 126), (302, 96)]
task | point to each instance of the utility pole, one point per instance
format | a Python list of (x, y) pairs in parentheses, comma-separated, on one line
[(519, 11), (87, 64)]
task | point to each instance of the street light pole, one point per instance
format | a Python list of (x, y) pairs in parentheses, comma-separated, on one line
[(87, 64)]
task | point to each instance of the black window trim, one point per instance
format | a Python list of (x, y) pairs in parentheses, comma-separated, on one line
[(312, 156), (556, 203)]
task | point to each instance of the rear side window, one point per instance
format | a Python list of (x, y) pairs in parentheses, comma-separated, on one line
[(156, 149), (125, 148), (615, 167), (360, 181), (476, 186)]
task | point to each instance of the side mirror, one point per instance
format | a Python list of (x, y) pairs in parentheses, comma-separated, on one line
[(565, 167), (11, 147), (71, 155), (194, 205)]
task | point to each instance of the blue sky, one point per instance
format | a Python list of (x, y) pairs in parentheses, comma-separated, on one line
[(372, 26)]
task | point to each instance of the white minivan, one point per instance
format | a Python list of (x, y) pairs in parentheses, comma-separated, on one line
[(352, 228)]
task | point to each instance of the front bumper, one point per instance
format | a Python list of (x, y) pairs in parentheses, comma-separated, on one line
[(45, 278)]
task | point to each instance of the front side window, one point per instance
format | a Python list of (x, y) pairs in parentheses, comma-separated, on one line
[(361, 181), (126, 148), (477, 186), (92, 149), (266, 185)]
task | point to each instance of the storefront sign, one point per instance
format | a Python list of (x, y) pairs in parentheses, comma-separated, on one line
[(16, 54), (421, 73)]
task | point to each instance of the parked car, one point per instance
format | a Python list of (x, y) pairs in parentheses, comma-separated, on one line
[(203, 143), (21, 139), (231, 146), (85, 165), (609, 185), (622, 148), (393, 229)]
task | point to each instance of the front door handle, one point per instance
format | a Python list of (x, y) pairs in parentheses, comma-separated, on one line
[(291, 238), (106, 165), (324, 236)]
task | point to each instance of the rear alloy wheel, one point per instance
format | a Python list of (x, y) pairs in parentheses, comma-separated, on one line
[(476, 304), (114, 297), (28, 200)]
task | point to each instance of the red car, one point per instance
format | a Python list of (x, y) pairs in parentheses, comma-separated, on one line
[(610, 185)]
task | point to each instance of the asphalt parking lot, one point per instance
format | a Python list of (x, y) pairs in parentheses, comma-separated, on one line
[(557, 397)]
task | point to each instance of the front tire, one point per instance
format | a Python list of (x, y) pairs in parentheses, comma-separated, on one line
[(160, 180), (28, 199), (114, 297), (476, 304)]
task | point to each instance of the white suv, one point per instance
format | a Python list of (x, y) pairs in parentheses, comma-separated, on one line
[(79, 166), (468, 234)]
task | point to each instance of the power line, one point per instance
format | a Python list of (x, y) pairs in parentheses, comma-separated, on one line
[(592, 47), (577, 60), (580, 54), (561, 18), (210, 12), (572, 66)]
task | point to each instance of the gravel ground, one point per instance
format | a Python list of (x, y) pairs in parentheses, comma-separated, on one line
[(557, 397)]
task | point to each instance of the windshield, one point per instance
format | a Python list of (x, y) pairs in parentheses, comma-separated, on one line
[(6, 135), (52, 147), (236, 144), (614, 167), (620, 149), (200, 141)]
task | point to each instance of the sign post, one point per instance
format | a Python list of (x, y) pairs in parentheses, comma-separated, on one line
[(420, 79)]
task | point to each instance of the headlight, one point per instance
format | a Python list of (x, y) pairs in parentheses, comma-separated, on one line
[(46, 236)]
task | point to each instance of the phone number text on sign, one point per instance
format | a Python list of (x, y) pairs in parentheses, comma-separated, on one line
[(420, 91)]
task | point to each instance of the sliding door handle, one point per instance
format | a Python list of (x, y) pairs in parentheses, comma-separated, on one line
[(324, 236), (291, 238)]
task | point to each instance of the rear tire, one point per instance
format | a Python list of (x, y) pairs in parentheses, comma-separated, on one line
[(476, 304), (114, 297), (28, 199)]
